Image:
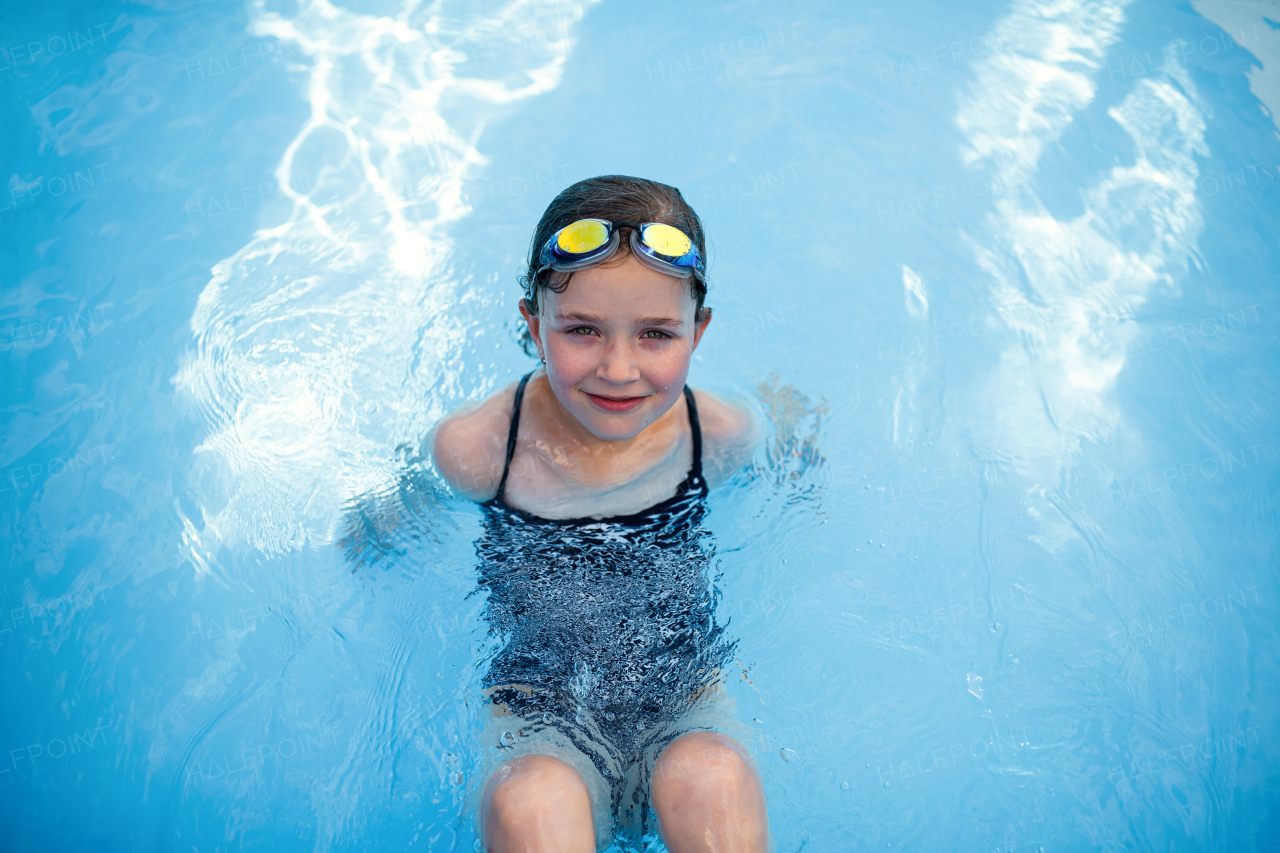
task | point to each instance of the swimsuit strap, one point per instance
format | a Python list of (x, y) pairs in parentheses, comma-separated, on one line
[(695, 470), (511, 435)]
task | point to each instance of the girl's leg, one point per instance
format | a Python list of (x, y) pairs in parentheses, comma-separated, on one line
[(708, 797), (537, 804)]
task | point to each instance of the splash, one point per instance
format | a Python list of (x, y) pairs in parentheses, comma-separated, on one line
[(319, 343), (1068, 289)]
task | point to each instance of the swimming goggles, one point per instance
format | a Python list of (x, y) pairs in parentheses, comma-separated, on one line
[(589, 242)]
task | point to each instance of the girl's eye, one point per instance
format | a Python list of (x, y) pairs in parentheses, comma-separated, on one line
[(582, 330), (655, 335)]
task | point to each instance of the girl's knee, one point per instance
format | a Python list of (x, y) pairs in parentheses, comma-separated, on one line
[(707, 760), (708, 796), (532, 787)]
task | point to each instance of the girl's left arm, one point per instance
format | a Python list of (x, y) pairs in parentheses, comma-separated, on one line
[(729, 436)]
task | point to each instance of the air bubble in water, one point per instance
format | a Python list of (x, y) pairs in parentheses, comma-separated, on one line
[(788, 754), (886, 784), (546, 718), (844, 786), (508, 739), (609, 715)]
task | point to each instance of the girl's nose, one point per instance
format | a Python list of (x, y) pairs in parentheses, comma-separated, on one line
[(619, 365)]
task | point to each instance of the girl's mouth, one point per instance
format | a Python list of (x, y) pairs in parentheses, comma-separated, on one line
[(614, 404)]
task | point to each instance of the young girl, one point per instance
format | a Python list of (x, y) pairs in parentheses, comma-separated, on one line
[(593, 470)]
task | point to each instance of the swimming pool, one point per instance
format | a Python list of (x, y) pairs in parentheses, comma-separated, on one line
[(999, 277)]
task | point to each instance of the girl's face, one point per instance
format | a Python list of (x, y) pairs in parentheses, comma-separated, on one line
[(617, 344)]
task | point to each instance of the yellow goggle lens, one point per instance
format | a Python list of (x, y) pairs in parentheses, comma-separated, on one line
[(666, 240), (582, 236)]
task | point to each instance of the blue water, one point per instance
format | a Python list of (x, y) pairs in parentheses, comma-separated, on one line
[(1000, 278)]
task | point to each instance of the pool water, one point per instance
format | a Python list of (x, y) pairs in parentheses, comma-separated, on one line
[(999, 278)]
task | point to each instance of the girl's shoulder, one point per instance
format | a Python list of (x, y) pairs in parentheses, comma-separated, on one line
[(469, 446), (729, 434)]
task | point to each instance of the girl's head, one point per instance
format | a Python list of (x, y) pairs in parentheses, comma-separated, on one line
[(616, 338)]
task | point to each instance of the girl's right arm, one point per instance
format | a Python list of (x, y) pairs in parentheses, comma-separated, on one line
[(469, 446)]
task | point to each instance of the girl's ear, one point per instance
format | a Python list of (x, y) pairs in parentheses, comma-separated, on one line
[(534, 322), (700, 321)]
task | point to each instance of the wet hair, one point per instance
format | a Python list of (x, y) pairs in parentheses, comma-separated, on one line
[(617, 198)]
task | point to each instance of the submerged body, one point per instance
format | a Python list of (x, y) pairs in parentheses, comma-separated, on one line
[(593, 474), (609, 624)]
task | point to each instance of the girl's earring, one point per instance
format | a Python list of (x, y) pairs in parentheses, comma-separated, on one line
[(543, 356)]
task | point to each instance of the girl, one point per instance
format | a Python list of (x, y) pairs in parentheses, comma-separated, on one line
[(592, 472)]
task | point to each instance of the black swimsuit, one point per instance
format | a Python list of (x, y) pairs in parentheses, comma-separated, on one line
[(609, 623), (693, 485)]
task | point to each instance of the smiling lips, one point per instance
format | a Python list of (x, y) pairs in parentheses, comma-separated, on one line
[(614, 404)]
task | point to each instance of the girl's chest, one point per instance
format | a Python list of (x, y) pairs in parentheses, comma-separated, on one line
[(556, 482)]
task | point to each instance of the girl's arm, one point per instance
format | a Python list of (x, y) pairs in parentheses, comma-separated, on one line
[(469, 446), (729, 436)]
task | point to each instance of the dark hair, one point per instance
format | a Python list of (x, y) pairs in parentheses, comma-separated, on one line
[(617, 198)]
